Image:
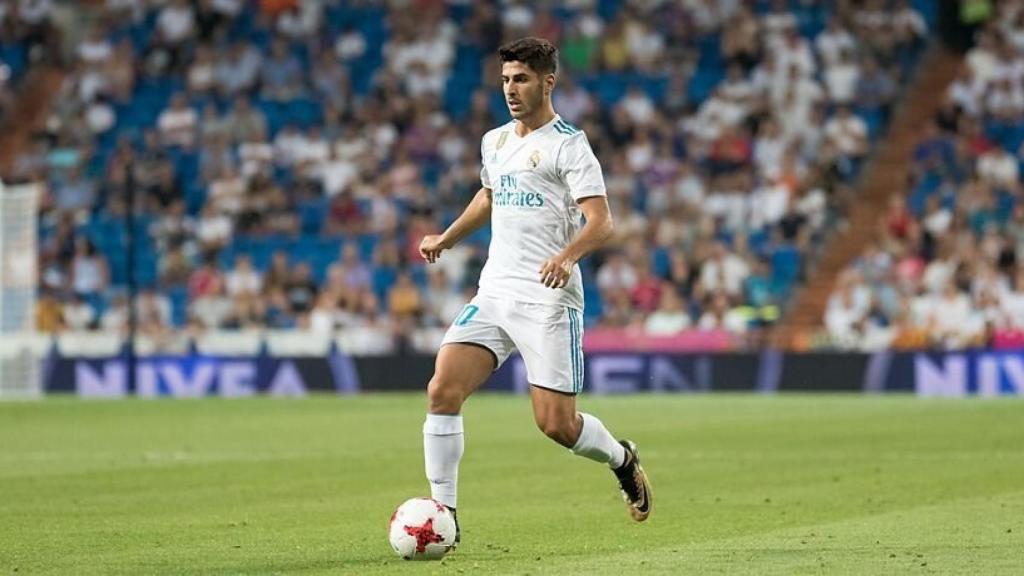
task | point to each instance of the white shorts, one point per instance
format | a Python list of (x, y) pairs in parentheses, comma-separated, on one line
[(548, 337)]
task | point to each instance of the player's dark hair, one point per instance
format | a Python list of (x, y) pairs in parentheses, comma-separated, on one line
[(537, 53)]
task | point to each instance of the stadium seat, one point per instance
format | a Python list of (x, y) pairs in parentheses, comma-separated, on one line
[(785, 261), (178, 295)]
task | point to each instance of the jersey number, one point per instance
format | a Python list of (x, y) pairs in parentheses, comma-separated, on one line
[(467, 313)]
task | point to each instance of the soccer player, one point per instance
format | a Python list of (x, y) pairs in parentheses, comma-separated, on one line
[(539, 177)]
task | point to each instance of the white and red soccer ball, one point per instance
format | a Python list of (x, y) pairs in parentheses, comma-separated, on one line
[(422, 529)]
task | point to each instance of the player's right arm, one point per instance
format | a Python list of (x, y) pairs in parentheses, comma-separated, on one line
[(476, 214)]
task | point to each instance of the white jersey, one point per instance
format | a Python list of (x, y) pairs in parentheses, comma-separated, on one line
[(535, 183)]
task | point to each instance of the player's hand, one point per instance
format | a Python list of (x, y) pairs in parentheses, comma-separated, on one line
[(431, 247), (555, 272)]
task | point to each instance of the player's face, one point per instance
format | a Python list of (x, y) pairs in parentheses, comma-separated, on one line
[(524, 88)]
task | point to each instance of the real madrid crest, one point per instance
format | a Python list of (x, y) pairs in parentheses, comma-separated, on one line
[(534, 159)]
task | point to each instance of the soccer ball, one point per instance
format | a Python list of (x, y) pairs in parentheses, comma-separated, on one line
[(422, 529)]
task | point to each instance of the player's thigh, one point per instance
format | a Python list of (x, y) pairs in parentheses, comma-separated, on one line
[(474, 346), (461, 368)]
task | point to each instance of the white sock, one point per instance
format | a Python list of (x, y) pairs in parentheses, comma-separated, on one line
[(443, 443), (597, 443)]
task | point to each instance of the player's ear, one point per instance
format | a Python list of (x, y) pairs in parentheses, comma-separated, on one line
[(549, 83)]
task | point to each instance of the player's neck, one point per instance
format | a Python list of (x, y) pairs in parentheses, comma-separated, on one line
[(534, 121)]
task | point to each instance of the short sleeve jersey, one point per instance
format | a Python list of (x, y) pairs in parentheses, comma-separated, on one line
[(535, 182)]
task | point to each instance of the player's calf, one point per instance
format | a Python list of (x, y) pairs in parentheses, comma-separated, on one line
[(556, 416)]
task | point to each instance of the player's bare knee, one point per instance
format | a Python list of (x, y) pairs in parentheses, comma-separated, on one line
[(443, 397), (560, 430)]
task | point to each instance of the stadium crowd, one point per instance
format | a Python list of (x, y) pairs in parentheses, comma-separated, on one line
[(948, 268), (286, 157)]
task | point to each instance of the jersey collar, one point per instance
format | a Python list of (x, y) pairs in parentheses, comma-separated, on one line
[(546, 126)]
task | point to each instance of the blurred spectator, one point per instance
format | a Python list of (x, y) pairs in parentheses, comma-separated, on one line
[(175, 268), (646, 293), (227, 191), (175, 23), (404, 297), (616, 274), (115, 317), (300, 288), (120, 72), (842, 78), (202, 71), (723, 271), (153, 309), (78, 314), (239, 69), (243, 280), (848, 133), (331, 82), (75, 193), (323, 318), (205, 280), (96, 47), (213, 230), (100, 116), (669, 318), (720, 316), (740, 45), (212, 310), (998, 167), (89, 272), (875, 88), (248, 123), (302, 20), (49, 315), (834, 41), (344, 216), (278, 274), (579, 50), (441, 304), (350, 45), (178, 123), (281, 75), (847, 309), (574, 103), (356, 275)]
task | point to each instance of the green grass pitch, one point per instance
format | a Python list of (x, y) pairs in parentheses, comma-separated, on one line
[(743, 484)]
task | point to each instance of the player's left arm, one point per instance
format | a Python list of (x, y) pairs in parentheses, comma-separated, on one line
[(556, 271)]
